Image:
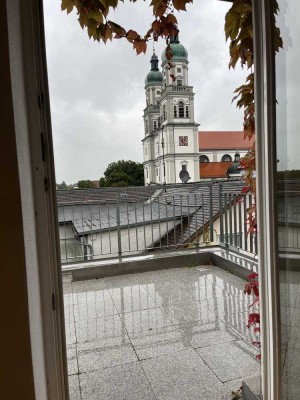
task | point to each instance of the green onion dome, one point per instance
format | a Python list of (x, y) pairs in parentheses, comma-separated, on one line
[(154, 76), (179, 52)]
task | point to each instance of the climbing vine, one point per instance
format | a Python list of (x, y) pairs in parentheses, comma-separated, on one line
[(94, 16), (239, 30)]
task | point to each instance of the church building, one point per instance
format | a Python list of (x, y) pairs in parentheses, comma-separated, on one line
[(174, 150), (171, 133)]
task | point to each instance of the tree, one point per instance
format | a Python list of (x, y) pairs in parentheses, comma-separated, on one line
[(123, 173), (62, 185), (85, 184)]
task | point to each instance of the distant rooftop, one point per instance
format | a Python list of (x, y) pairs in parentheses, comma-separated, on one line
[(214, 169), (223, 140)]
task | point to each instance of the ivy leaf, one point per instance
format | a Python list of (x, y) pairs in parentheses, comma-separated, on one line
[(67, 5), (133, 35), (96, 15), (92, 28), (181, 4), (117, 29), (140, 46)]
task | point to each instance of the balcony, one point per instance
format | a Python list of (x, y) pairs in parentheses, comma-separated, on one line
[(154, 291), (182, 89), (170, 334)]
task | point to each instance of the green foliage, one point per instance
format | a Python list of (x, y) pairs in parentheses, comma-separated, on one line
[(85, 184), (288, 174), (123, 173), (64, 186)]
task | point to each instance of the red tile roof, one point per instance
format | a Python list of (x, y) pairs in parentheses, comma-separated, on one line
[(214, 169), (223, 140)]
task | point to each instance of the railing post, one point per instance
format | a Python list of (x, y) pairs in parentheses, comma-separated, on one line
[(211, 215), (119, 229), (221, 213)]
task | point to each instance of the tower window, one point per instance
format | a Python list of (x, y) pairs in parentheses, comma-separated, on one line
[(184, 167), (155, 124), (181, 109), (164, 113), (175, 111), (187, 111), (158, 122), (179, 82), (226, 157), (146, 126), (178, 69), (203, 158)]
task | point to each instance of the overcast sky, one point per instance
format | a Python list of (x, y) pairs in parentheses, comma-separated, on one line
[(97, 91)]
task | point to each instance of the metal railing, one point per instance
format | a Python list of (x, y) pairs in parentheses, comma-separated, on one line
[(235, 232), (110, 223)]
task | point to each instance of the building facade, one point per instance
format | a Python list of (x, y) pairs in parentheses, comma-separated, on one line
[(171, 143)]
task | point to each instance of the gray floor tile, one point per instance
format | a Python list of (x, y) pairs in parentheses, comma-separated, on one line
[(72, 360), (89, 285), (197, 334), (182, 376), (94, 309), (74, 389), (181, 313), (125, 382), (70, 326), (133, 298), (86, 296), (229, 360), (145, 320), (122, 281), (157, 342), (88, 330), (103, 357)]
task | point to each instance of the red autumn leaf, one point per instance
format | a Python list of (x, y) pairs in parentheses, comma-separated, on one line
[(140, 46), (252, 276)]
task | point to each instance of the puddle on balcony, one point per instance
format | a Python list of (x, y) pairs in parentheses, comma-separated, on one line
[(170, 334)]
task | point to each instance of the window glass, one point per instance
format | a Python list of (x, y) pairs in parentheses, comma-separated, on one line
[(288, 193), (179, 82), (181, 109), (226, 157), (203, 158)]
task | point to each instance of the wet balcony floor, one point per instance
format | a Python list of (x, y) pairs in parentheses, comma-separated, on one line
[(167, 335)]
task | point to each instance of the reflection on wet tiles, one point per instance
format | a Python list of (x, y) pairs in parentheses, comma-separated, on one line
[(92, 310), (153, 343), (99, 328), (158, 319), (132, 298), (145, 320), (197, 334)]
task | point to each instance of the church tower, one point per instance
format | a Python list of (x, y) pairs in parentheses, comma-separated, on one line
[(171, 134)]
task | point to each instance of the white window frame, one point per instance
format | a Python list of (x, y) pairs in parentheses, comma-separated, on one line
[(38, 198)]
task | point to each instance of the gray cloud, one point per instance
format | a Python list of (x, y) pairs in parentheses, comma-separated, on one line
[(97, 91)]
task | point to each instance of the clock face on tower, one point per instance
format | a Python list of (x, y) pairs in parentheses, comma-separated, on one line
[(183, 141)]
